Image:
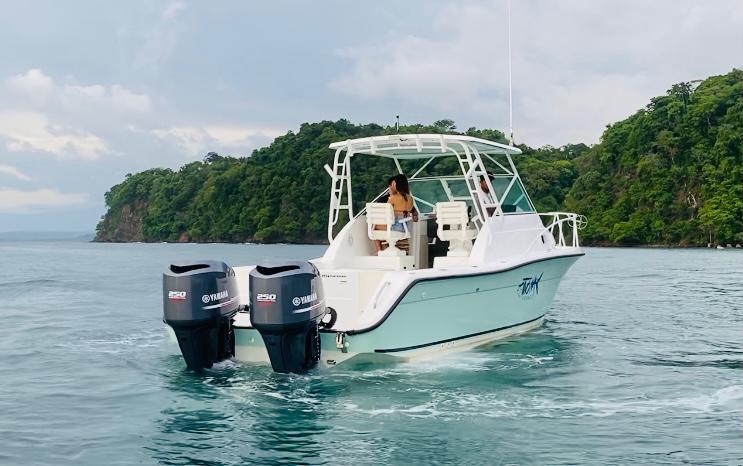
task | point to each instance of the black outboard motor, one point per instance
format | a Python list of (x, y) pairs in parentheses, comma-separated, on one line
[(286, 306), (199, 301)]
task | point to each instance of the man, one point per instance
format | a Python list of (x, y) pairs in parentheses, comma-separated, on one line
[(486, 197)]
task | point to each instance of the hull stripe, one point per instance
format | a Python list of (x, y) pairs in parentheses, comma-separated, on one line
[(408, 348)]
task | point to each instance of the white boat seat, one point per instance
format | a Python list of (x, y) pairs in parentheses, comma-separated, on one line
[(381, 213), (459, 235)]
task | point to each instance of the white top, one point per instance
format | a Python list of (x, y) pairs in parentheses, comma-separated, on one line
[(486, 198)]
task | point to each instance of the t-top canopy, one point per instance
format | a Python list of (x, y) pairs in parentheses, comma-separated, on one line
[(422, 146)]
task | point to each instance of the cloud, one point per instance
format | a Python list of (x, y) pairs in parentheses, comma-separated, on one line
[(95, 91), (40, 103), (27, 130), (116, 97), (571, 76), (124, 99), (196, 140), (16, 201), (14, 172), (34, 84), (41, 89), (192, 140)]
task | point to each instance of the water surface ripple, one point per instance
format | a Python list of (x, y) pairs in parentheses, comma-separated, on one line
[(639, 362)]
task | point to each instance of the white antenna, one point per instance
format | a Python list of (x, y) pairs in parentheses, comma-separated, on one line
[(510, 92)]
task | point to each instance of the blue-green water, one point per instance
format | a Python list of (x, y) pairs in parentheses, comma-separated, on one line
[(640, 361)]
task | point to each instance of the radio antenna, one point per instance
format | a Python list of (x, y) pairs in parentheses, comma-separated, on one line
[(510, 86)]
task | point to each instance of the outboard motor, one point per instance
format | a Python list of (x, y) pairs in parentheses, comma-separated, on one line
[(286, 306), (199, 301)]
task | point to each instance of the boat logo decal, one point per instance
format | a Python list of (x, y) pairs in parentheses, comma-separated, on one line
[(214, 296), (304, 299), (265, 298), (529, 287), (176, 295)]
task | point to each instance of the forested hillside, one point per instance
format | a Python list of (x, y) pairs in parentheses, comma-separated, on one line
[(670, 174)]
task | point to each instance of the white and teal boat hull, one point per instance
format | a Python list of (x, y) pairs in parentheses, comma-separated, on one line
[(436, 315)]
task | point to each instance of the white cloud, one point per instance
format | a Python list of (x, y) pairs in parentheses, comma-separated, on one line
[(577, 65), (14, 172), (26, 130), (117, 97), (16, 201), (196, 140), (227, 135), (33, 82), (95, 91), (38, 104), (41, 90), (192, 140), (124, 99)]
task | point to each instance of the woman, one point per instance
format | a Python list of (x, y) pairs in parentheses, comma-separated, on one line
[(402, 204)]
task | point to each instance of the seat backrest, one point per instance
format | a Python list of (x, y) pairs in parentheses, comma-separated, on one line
[(379, 213), (452, 213)]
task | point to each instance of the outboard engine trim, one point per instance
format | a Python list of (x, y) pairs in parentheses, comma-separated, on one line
[(286, 306), (199, 301)]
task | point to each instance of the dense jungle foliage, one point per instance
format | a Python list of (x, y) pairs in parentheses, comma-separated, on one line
[(670, 174)]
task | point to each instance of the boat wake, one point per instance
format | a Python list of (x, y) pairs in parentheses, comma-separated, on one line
[(456, 406)]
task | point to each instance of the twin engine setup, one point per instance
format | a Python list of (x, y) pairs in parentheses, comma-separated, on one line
[(286, 306)]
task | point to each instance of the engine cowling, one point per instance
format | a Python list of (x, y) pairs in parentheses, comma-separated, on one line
[(286, 307), (199, 301)]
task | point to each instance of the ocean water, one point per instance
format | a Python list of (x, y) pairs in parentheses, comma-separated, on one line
[(640, 361)]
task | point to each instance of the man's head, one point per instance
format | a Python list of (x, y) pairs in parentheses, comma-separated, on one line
[(484, 184)]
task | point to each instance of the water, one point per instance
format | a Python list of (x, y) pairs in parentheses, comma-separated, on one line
[(639, 362)]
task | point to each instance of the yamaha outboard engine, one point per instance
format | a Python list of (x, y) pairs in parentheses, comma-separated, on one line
[(199, 301), (286, 306)]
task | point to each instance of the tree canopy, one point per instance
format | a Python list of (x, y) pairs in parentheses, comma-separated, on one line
[(672, 173)]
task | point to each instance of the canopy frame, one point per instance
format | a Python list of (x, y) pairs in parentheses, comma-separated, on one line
[(427, 147)]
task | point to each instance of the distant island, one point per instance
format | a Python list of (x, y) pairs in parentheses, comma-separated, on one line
[(671, 174), (46, 236)]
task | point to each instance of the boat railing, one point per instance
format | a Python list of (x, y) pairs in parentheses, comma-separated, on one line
[(563, 226)]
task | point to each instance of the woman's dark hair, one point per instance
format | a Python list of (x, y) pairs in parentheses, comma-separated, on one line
[(401, 183)]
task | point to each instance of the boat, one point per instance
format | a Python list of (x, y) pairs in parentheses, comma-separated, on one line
[(481, 264)]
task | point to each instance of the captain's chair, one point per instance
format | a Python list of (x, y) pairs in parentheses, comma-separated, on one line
[(458, 235), (378, 213)]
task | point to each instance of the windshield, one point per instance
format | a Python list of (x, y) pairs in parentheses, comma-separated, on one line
[(427, 192), (516, 200)]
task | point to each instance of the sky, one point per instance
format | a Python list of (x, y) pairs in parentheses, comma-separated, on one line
[(91, 91)]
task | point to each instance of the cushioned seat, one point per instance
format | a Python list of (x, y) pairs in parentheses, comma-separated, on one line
[(459, 236), (378, 213)]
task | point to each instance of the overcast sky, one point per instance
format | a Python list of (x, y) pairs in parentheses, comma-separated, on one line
[(90, 91)]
